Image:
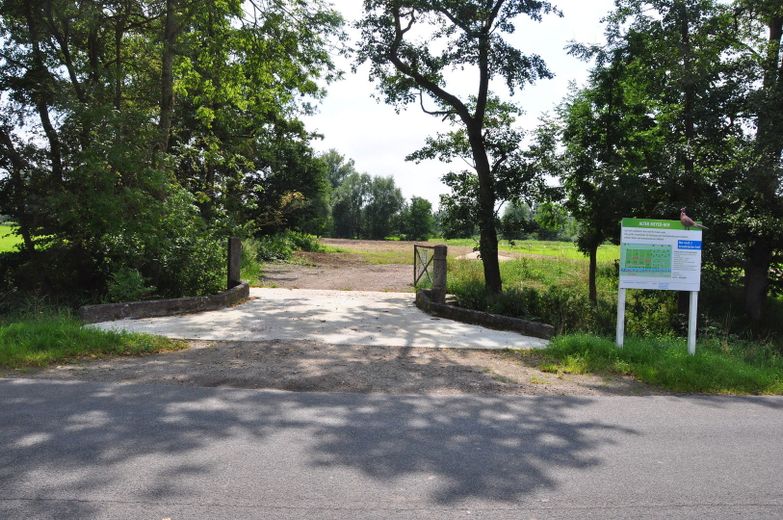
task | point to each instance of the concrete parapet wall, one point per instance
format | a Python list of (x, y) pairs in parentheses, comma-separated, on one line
[(153, 308), (425, 302)]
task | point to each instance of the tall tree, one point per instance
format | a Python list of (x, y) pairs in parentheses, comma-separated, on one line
[(382, 208), (349, 202), (110, 108), (413, 44), (757, 219), (417, 220), (607, 133), (675, 62)]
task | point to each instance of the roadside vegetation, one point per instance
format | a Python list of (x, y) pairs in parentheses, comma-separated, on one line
[(719, 366), (46, 336)]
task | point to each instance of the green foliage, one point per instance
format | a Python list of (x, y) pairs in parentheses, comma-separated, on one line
[(8, 240), (365, 206), (517, 222), (281, 246), (250, 263), (717, 367), (127, 285), (338, 167), (417, 222), (54, 337), (383, 208), (349, 201), (551, 287), (106, 177)]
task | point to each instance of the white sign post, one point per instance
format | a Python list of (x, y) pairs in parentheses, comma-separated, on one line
[(662, 255)]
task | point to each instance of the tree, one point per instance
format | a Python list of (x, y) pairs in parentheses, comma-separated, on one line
[(132, 132), (350, 199), (467, 34), (673, 52), (756, 216), (337, 167), (605, 136), (382, 208), (517, 221), (417, 219), (712, 77)]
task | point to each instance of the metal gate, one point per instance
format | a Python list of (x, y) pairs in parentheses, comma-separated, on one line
[(422, 263)]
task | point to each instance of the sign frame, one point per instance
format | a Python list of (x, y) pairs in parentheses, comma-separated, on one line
[(659, 255)]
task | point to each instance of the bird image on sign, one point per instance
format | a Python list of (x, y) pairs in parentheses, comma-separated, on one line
[(688, 222)]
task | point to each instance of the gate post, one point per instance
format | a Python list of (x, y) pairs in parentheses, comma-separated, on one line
[(234, 261), (439, 273)]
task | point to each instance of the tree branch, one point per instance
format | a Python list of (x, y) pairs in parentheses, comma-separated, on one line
[(423, 81)]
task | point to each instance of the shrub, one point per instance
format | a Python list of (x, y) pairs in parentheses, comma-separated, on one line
[(281, 246), (127, 284)]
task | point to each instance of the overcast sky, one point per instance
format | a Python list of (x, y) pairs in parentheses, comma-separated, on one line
[(378, 139)]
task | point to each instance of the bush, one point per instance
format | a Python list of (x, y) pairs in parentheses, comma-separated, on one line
[(127, 285), (250, 267), (281, 246)]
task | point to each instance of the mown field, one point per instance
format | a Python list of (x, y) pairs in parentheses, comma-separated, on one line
[(401, 252)]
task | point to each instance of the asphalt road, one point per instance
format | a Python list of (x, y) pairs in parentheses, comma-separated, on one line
[(86, 450)]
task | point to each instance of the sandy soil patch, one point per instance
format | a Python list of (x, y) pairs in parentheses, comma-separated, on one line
[(475, 255), (307, 366), (345, 273)]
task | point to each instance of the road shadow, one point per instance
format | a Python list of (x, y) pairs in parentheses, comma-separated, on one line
[(66, 440)]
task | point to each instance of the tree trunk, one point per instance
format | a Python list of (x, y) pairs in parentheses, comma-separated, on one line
[(687, 184), (118, 72), (41, 93), (167, 76), (593, 292), (488, 241), (757, 278), (764, 179)]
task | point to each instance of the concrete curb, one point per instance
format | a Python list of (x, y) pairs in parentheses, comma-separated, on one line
[(153, 308), (493, 321)]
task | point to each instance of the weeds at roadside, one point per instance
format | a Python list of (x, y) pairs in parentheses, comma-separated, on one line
[(54, 336), (664, 362)]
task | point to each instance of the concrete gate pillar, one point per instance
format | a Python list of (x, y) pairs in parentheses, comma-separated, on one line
[(439, 273)]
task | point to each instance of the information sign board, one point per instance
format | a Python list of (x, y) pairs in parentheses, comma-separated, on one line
[(659, 254)]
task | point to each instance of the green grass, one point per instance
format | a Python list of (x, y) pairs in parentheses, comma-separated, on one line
[(54, 337), (8, 241), (385, 257), (717, 368), (560, 250)]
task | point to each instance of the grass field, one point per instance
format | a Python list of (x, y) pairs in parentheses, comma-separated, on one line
[(564, 250), (396, 252), (8, 241)]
